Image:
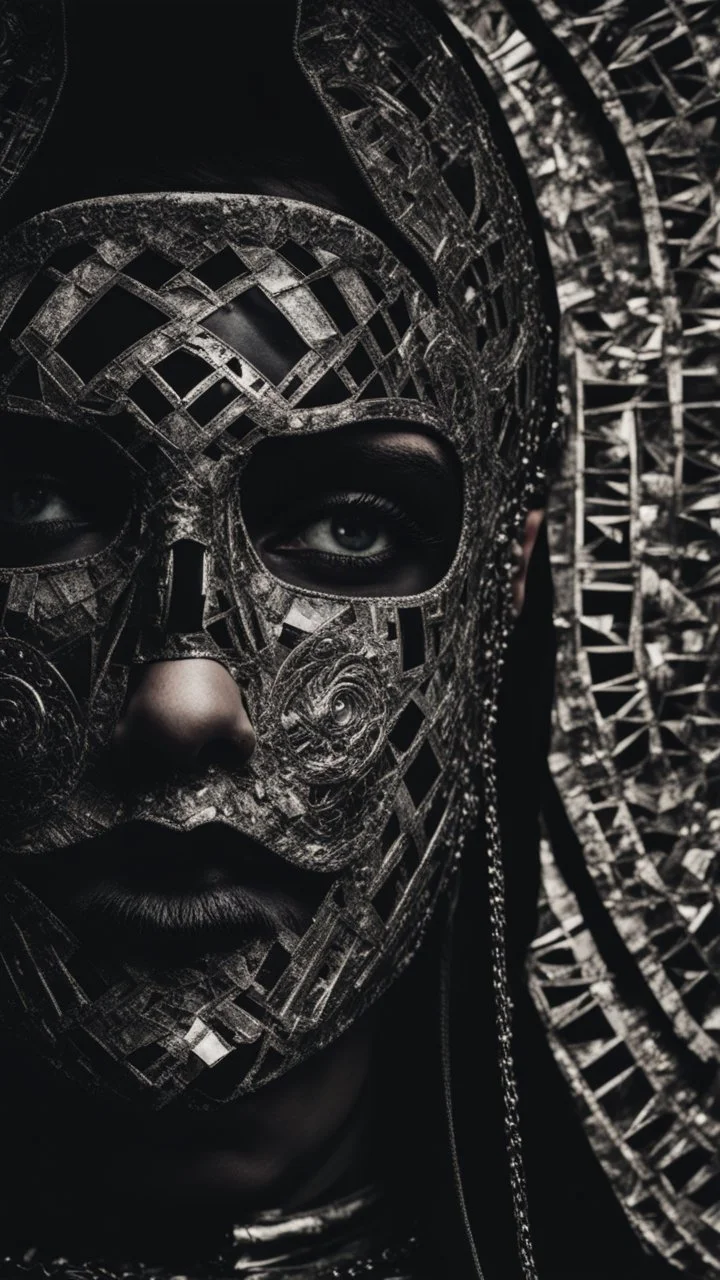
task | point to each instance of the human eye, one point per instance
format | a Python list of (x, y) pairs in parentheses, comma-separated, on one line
[(366, 511), (348, 537), (65, 509), (42, 520), (38, 500)]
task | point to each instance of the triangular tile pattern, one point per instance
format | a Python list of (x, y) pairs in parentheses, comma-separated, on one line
[(634, 528)]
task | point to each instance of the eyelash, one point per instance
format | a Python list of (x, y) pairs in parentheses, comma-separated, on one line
[(42, 532), (398, 518), (49, 533)]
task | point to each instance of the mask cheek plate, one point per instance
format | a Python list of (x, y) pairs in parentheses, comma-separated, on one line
[(61, 687), (42, 734)]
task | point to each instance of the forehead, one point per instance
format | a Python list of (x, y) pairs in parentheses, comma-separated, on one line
[(196, 325)]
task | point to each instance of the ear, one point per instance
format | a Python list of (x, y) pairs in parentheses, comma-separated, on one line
[(521, 556)]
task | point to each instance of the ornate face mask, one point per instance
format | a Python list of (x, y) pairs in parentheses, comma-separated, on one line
[(124, 325)]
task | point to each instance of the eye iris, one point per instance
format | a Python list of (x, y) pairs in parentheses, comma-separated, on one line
[(355, 533)]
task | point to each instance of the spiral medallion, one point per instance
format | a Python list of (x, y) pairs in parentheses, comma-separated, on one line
[(41, 733), (330, 709)]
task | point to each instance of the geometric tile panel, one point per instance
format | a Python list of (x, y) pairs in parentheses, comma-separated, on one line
[(634, 522)]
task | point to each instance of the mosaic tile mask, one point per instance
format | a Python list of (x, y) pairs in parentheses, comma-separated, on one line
[(370, 713)]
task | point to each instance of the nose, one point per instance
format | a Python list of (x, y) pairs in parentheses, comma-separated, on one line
[(184, 713)]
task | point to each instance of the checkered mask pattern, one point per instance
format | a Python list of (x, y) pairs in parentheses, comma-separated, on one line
[(126, 317)]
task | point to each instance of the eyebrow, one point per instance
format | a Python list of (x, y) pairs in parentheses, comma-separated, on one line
[(406, 450), (404, 447), (381, 460)]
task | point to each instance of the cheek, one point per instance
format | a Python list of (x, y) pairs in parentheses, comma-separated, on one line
[(357, 728), (322, 756)]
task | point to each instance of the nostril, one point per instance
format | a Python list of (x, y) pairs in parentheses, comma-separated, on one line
[(185, 712)]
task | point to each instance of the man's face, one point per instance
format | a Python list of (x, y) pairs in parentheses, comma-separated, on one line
[(241, 571)]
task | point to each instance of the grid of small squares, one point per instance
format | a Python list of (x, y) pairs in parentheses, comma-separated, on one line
[(104, 320), (664, 1143), (334, 334)]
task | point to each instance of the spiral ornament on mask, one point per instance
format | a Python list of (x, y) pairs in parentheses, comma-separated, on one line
[(328, 723), (41, 734), (330, 705)]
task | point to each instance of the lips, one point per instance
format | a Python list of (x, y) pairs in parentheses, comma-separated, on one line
[(158, 895)]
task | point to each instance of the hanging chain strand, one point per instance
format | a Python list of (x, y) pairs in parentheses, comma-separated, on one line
[(498, 935)]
